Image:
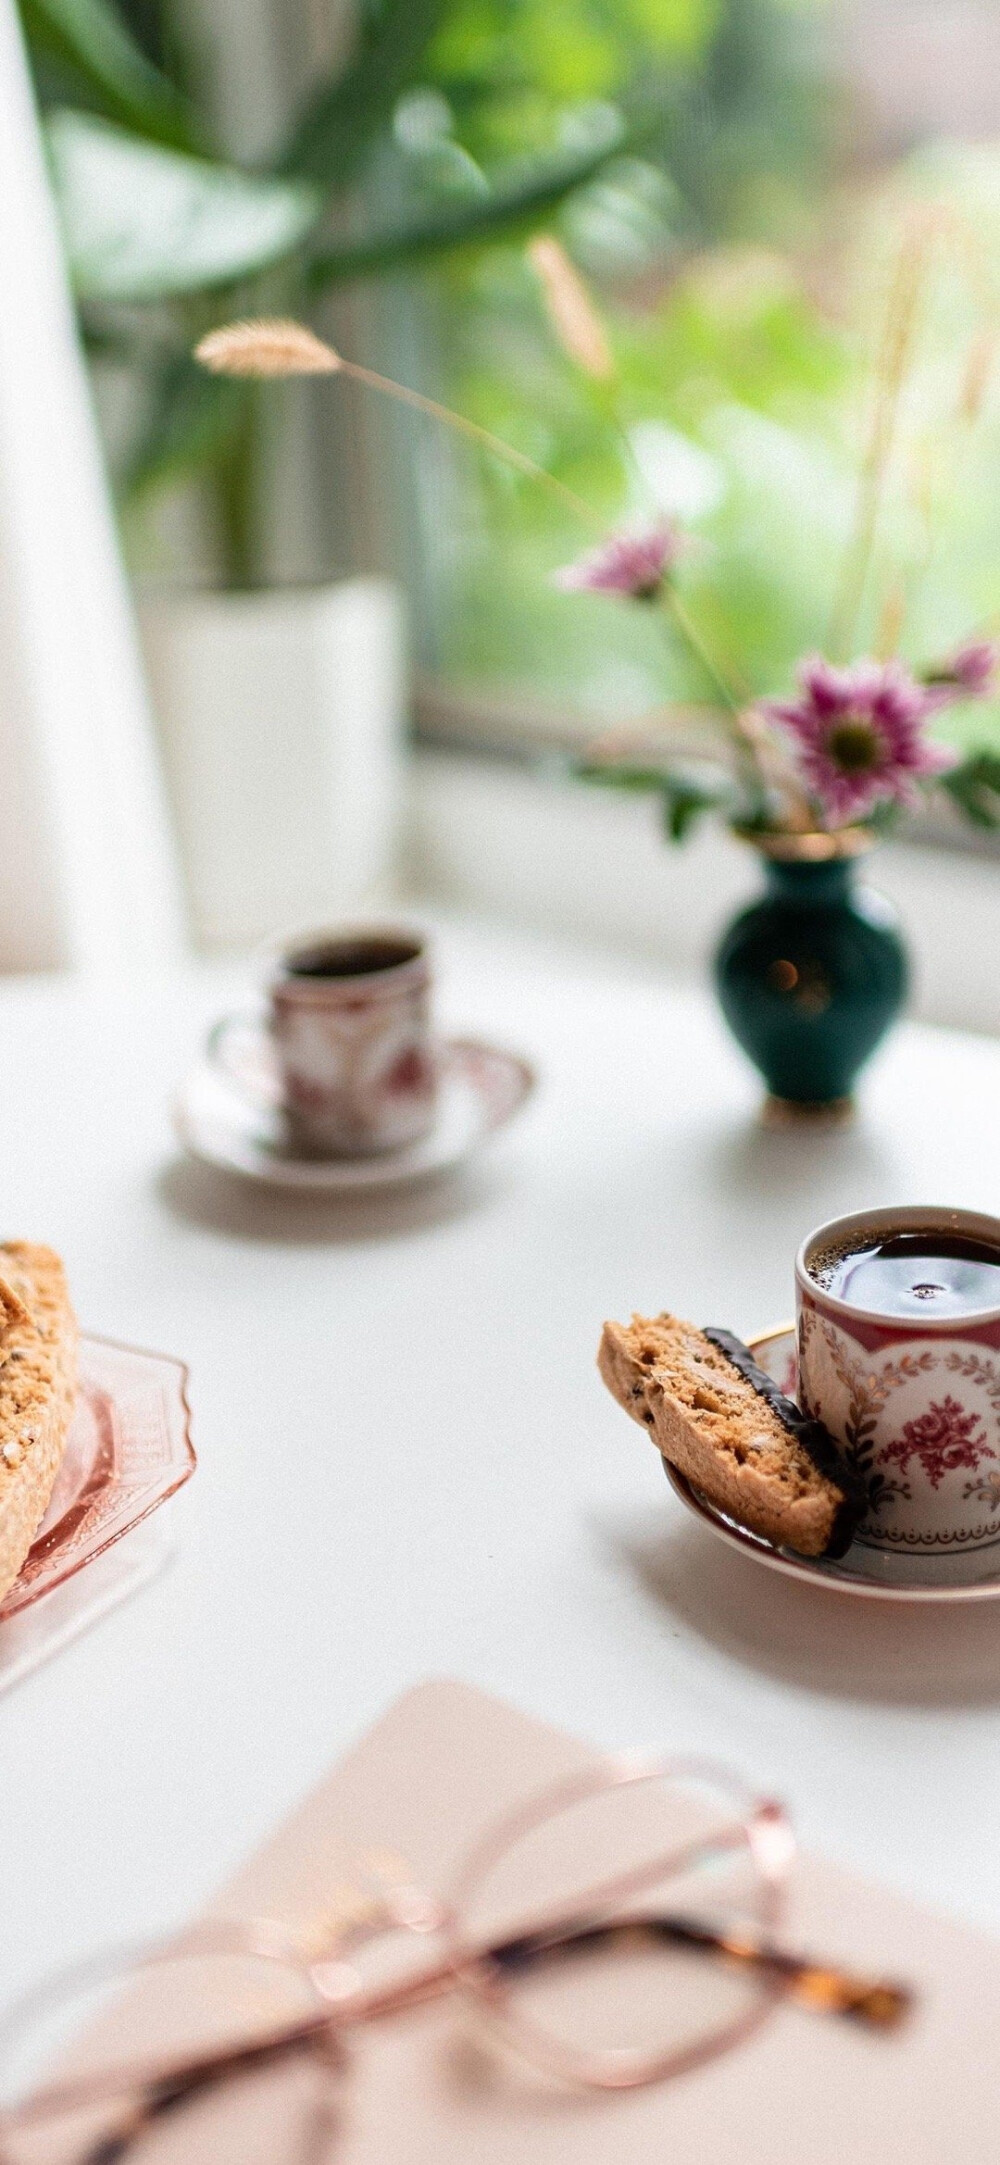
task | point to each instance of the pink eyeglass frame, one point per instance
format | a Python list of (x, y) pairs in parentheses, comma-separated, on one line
[(760, 1827)]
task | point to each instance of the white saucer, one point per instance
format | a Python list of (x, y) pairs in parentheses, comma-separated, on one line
[(871, 1573), (481, 1088)]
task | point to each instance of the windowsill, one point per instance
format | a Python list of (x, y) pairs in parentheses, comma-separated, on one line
[(510, 727), (535, 851)]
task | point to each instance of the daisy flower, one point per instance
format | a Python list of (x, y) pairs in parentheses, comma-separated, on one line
[(858, 736), (636, 564)]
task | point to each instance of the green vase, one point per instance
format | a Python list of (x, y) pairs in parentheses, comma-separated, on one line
[(811, 977)]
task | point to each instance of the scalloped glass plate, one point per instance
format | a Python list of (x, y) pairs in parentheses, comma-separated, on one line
[(129, 1450)]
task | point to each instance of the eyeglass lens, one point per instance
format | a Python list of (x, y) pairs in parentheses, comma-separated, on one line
[(600, 1915), (265, 2110), (626, 1884)]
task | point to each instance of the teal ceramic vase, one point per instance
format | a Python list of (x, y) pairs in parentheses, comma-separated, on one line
[(811, 977)]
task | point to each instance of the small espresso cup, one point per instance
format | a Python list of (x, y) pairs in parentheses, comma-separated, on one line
[(354, 1068), (914, 1398)]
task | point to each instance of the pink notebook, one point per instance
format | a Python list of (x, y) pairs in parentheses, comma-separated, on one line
[(808, 2090)]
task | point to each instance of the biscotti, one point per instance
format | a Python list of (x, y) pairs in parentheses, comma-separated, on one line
[(725, 1425), (38, 1347)]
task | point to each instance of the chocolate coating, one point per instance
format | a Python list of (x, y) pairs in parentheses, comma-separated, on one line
[(814, 1437)]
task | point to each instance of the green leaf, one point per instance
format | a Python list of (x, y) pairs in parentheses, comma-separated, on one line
[(975, 788), (639, 780), (90, 38), (338, 127), (141, 222), (684, 802), (883, 818), (191, 419), (515, 200), (684, 794)]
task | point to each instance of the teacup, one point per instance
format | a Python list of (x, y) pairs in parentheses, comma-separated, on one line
[(354, 1059), (914, 1397)]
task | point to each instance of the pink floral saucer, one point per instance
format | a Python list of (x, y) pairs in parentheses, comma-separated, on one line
[(129, 1450), (240, 1130), (864, 1571)]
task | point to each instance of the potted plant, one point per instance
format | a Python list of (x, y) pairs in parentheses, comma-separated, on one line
[(280, 709)]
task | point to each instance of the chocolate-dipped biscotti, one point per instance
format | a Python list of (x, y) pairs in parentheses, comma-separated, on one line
[(38, 1340), (726, 1426)]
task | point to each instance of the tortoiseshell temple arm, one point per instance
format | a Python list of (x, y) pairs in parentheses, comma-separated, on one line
[(151, 2106), (877, 2003)]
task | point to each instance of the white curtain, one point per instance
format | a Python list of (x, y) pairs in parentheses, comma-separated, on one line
[(86, 864)]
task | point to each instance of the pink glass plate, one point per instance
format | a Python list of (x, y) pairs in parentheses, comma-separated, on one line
[(129, 1448)]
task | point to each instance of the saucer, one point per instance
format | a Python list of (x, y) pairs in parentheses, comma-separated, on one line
[(868, 1572), (128, 1451), (481, 1088)]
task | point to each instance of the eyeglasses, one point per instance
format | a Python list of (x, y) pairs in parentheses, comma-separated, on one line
[(620, 1929)]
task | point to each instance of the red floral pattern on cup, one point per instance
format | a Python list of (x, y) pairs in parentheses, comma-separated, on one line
[(943, 1439)]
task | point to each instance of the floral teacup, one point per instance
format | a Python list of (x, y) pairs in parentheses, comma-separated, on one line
[(353, 1064), (913, 1400)]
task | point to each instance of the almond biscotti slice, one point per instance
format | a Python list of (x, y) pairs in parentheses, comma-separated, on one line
[(38, 1344), (724, 1424)]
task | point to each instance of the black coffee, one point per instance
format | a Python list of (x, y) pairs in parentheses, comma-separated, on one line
[(356, 956), (914, 1274)]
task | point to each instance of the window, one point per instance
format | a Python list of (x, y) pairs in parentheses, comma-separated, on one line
[(791, 228), (817, 156)]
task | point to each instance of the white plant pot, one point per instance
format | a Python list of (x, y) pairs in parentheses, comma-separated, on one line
[(280, 717)]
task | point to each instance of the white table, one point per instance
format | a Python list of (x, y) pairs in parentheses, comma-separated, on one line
[(408, 1465)]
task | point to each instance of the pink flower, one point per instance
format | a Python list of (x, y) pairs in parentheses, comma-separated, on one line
[(635, 564), (859, 735), (971, 673)]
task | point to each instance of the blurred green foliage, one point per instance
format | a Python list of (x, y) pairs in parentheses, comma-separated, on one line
[(748, 157), (165, 234), (745, 291), (691, 156)]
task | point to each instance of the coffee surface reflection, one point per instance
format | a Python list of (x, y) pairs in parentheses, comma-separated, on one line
[(930, 1275)]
